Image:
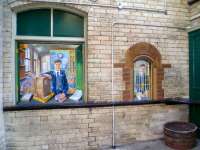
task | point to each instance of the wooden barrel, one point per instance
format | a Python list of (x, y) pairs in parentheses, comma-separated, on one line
[(180, 135)]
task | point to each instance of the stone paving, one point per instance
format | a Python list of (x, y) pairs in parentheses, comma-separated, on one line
[(149, 145)]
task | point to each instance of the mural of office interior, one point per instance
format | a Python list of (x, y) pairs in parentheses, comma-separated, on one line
[(36, 61), (146, 56)]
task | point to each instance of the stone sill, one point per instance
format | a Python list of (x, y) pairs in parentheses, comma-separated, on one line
[(28, 106)]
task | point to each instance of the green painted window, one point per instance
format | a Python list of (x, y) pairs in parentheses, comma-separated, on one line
[(67, 24), (38, 23), (34, 22)]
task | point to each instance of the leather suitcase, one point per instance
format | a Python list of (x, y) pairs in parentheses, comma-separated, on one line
[(43, 88), (29, 85)]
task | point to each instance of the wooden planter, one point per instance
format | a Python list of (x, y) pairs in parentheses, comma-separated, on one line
[(180, 135)]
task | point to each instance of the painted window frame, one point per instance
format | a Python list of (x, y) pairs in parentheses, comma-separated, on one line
[(145, 50)]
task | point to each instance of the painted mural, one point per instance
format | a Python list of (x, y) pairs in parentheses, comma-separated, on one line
[(47, 74), (142, 80)]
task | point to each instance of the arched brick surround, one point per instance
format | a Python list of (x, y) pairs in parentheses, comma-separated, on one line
[(146, 51)]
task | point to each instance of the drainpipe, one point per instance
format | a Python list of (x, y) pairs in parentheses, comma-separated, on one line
[(113, 107)]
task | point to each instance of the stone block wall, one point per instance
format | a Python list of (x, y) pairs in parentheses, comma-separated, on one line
[(85, 128)]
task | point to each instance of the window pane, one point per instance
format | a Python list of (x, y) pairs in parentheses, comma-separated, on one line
[(34, 22), (50, 70), (67, 24), (142, 80), (27, 65)]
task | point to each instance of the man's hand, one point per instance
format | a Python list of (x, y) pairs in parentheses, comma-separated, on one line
[(62, 97), (47, 75)]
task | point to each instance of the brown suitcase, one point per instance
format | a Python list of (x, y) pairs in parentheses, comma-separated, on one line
[(31, 87), (42, 86)]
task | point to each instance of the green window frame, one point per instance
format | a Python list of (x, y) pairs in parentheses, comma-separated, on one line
[(67, 24), (38, 23)]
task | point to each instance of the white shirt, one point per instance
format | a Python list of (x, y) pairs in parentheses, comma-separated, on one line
[(57, 72)]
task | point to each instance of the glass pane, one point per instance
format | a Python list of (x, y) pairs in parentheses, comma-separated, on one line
[(142, 80), (48, 73), (67, 24), (34, 22)]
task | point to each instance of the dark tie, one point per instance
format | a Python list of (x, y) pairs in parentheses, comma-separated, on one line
[(57, 74)]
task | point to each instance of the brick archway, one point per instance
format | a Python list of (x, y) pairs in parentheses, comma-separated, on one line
[(143, 50)]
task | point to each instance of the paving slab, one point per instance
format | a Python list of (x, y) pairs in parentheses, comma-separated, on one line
[(149, 145)]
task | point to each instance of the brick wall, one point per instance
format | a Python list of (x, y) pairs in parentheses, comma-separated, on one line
[(169, 39), (8, 58), (87, 128), (152, 54), (91, 128), (2, 138)]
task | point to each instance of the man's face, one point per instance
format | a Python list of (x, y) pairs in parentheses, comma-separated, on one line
[(142, 68), (57, 66)]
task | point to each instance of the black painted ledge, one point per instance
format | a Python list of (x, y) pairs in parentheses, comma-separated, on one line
[(28, 106)]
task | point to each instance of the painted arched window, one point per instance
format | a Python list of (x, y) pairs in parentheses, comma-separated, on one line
[(143, 73), (142, 80)]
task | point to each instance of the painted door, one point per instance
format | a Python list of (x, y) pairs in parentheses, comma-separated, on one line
[(194, 62)]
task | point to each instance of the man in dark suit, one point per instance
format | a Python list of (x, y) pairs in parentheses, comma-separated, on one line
[(141, 87), (59, 84)]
